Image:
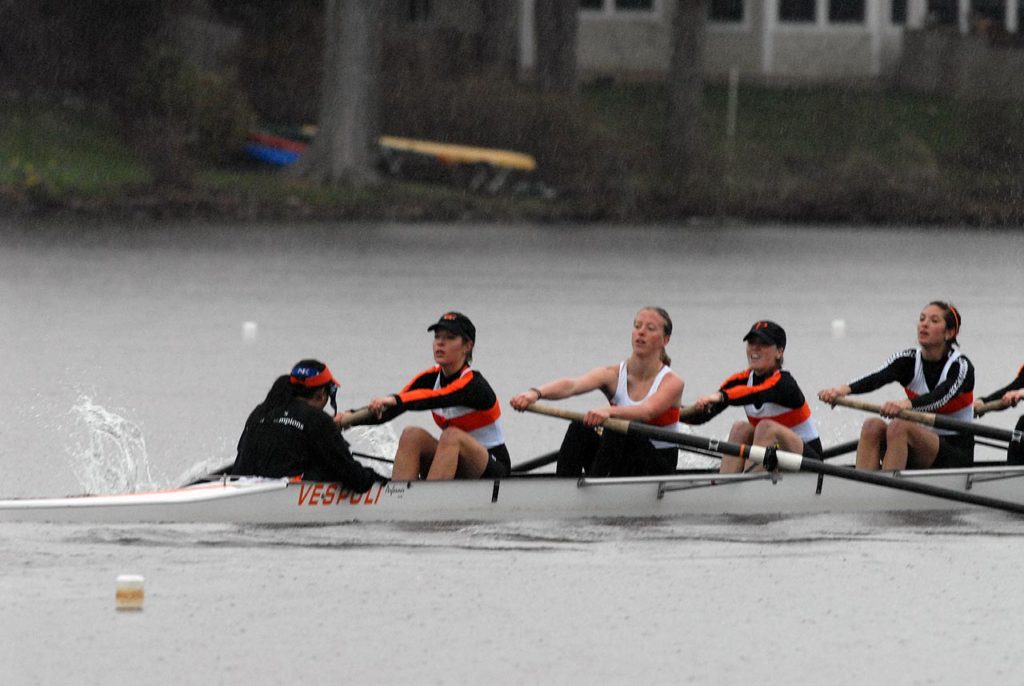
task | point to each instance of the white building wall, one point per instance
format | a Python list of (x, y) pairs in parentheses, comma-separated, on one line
[(639, 43)]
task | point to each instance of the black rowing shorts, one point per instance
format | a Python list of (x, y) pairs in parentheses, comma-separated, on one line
[(499, 465)]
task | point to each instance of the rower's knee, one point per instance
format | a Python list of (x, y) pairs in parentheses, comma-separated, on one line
[(451, 436), (873, 429), (741, 432), (411, 432), (898, 429), (767, 432)]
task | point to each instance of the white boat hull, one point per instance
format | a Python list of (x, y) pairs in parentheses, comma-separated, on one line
[(278, 501)]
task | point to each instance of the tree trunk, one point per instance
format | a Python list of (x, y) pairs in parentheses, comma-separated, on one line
[(345, 147), (499, 46), (556, 24), (683, 147)]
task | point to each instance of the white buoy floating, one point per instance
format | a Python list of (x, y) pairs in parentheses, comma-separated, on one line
[(838, 328), (249, 331), (130, 592)]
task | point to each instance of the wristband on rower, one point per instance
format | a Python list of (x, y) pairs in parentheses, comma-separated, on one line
[(537, 391)]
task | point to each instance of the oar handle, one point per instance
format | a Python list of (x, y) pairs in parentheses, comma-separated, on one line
[(939, 421), (912, 415), (360, 416), (685, 412), (618, 425), (990, 406)]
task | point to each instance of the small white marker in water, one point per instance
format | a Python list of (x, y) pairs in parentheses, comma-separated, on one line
[(838, 328), (249, 330), (130, 593)]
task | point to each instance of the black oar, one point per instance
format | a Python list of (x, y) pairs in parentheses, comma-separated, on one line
[(840, 449), (938, 421), (535, 463), (373, 457), (786, 460)]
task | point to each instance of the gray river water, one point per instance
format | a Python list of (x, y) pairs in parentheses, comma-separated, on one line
[(130, 357)]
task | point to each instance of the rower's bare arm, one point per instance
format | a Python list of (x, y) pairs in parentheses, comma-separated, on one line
[(599, 378)]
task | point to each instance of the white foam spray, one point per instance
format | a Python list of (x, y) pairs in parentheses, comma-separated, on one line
[(109, 455), (379, 440)]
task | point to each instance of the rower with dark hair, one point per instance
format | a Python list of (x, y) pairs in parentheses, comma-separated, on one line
[(290, 435), (1011, 394), (462, 404), (777, 413), (937, 378)]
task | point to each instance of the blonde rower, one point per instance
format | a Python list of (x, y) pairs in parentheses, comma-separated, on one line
[(642, 388)]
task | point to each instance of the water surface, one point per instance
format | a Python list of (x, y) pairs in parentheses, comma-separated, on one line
[(138, 332)]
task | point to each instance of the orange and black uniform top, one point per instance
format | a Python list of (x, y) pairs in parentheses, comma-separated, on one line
[(775, 396), (464, 400), (1015, 385), (945, 386)]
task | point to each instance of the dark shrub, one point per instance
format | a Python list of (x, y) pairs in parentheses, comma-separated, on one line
[(176, 115)]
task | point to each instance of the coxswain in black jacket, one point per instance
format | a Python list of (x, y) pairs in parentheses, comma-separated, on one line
[(289, 434)]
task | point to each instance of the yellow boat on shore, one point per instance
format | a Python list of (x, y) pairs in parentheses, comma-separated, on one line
[(451, 154)]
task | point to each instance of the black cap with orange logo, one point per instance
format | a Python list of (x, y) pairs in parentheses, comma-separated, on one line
[(769, 332), (457, 323)]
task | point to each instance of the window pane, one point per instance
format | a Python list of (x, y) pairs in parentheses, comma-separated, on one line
[(942, 11), (419, 10), (643, 5), (796, 10), (591, 4), (989, 9), (846, 10), (725, 10), (899, 12)]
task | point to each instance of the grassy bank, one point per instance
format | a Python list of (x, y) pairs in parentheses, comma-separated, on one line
[(799, 155)]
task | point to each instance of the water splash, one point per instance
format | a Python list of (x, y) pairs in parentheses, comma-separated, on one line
[(379, 440), (112, 458)]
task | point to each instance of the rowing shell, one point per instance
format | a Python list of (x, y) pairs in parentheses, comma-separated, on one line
[(537, 497)]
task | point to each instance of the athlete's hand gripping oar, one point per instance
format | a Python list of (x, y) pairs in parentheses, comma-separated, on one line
[(937, 420), (785, 459), (991, 406)]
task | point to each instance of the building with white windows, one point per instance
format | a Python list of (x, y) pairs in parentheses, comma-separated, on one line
[(798, 40)]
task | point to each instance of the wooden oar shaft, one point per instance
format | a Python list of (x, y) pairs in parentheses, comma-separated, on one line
[(991, 406), (787, 460), (360, 416), (687, 411), (936, 420)]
